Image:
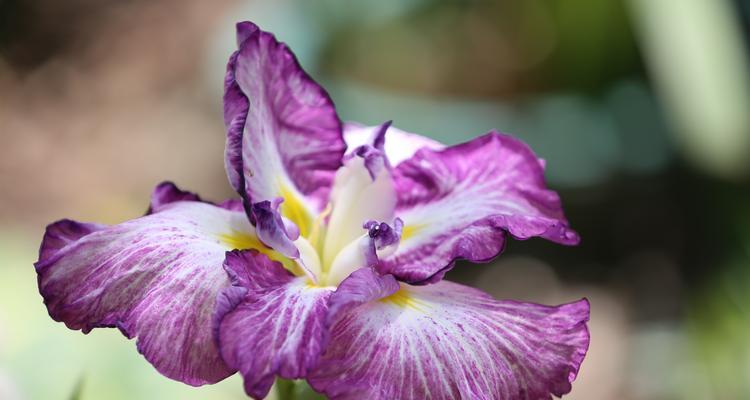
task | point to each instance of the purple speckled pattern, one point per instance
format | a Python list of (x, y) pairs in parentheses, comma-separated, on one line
[(276, 325), (155, 278), (282, 127), (452, 342), (461, 201)]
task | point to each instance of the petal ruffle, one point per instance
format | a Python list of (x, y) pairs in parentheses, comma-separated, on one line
[(399, 145), (270, 322), (64, 232), (448, 341), (361, 286), (155, 278), (283, 134), (457, 203), (167, 193)]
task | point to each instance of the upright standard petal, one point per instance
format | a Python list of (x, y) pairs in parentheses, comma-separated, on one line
[(448, 341), (457, 203), (284, 136), (270, 322), (155, 278)]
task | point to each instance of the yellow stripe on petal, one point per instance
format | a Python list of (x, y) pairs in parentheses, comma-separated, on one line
[(410, 230), (403, 299), (293, 209), (237, 240)]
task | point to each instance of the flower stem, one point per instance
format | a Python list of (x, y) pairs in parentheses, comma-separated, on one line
[(295, 390)]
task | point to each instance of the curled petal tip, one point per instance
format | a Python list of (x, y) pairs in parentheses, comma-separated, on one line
[(272, 229), (245, 29)]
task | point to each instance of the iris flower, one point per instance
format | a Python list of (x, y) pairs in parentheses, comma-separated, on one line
[(329, 266)]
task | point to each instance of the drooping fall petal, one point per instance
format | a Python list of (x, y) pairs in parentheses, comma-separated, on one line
[(270, 322), (155, 278), (447, 341)]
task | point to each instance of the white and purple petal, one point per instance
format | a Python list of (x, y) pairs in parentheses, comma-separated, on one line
[(459, 202), (447, 341), (270, 322), (155, 278), (284, 136)]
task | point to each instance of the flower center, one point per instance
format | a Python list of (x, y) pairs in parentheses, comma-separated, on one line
[(358, 224)]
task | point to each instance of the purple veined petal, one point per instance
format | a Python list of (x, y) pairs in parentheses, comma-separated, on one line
[(399, 145), (448, 341), (155, 278), (459, 202), (284, 137), (270, 322)]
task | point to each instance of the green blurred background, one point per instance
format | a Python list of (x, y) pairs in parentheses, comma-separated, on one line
[(640, 107)]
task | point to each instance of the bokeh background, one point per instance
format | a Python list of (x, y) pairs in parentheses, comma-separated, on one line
[(640, 107)]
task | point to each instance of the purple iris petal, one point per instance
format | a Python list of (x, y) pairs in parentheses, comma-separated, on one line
[(272, 230), (457, 203), (62, 233), (281, 125), (447, 341), (166, 193), (361, 286), (155, 278), (273, 325), (235, 112)]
